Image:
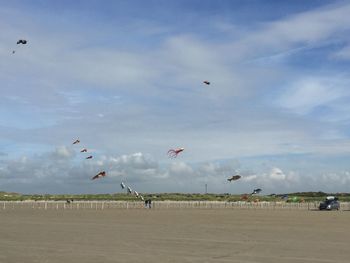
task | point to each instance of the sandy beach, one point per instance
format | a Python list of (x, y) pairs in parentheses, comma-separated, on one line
[(174, 235)]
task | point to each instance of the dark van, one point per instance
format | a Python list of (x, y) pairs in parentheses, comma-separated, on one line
[(331, 203)]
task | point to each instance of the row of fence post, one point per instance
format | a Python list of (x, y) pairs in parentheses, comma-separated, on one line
[(102, 205)]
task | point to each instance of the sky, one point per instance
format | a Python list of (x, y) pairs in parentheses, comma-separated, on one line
[(126, 79)]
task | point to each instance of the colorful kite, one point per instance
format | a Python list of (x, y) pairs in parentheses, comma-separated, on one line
[(99, 175), (173, 153), (256, 191)]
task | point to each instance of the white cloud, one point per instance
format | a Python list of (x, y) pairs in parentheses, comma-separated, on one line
[(135, 160), (273, 179), (63, 152), (277, 174), (308, 28), (180, 169), (143, 173), (305, 95), (308, 95)]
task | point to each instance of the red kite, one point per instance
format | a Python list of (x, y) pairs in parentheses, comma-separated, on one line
[(244, 197), (172, 153), (99, 175)]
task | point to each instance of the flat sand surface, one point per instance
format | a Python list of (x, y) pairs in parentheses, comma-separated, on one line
[(141, 235)]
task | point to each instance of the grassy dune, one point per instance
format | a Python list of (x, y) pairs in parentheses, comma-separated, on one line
[(292, 197)]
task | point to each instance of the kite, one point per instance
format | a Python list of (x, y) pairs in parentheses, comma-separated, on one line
[(285, 197), (256, 191), (83, 150), (89, 157), (99, 175), (141, 197), (76, 141), (22, 41), (129, 190), (172, 153), (206, 82), (244, 197), (234, 178)]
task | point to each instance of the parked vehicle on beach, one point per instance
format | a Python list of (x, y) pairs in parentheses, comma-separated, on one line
[(331, 203)]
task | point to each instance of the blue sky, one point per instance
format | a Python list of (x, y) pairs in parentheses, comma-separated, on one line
[(125, 77)]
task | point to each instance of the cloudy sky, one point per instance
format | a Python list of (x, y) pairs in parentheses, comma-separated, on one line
[(126, 78)]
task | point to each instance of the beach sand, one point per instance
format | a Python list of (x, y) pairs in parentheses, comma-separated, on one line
[(174, 235)]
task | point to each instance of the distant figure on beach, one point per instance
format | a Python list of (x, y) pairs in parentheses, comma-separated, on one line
[(148, 203)]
